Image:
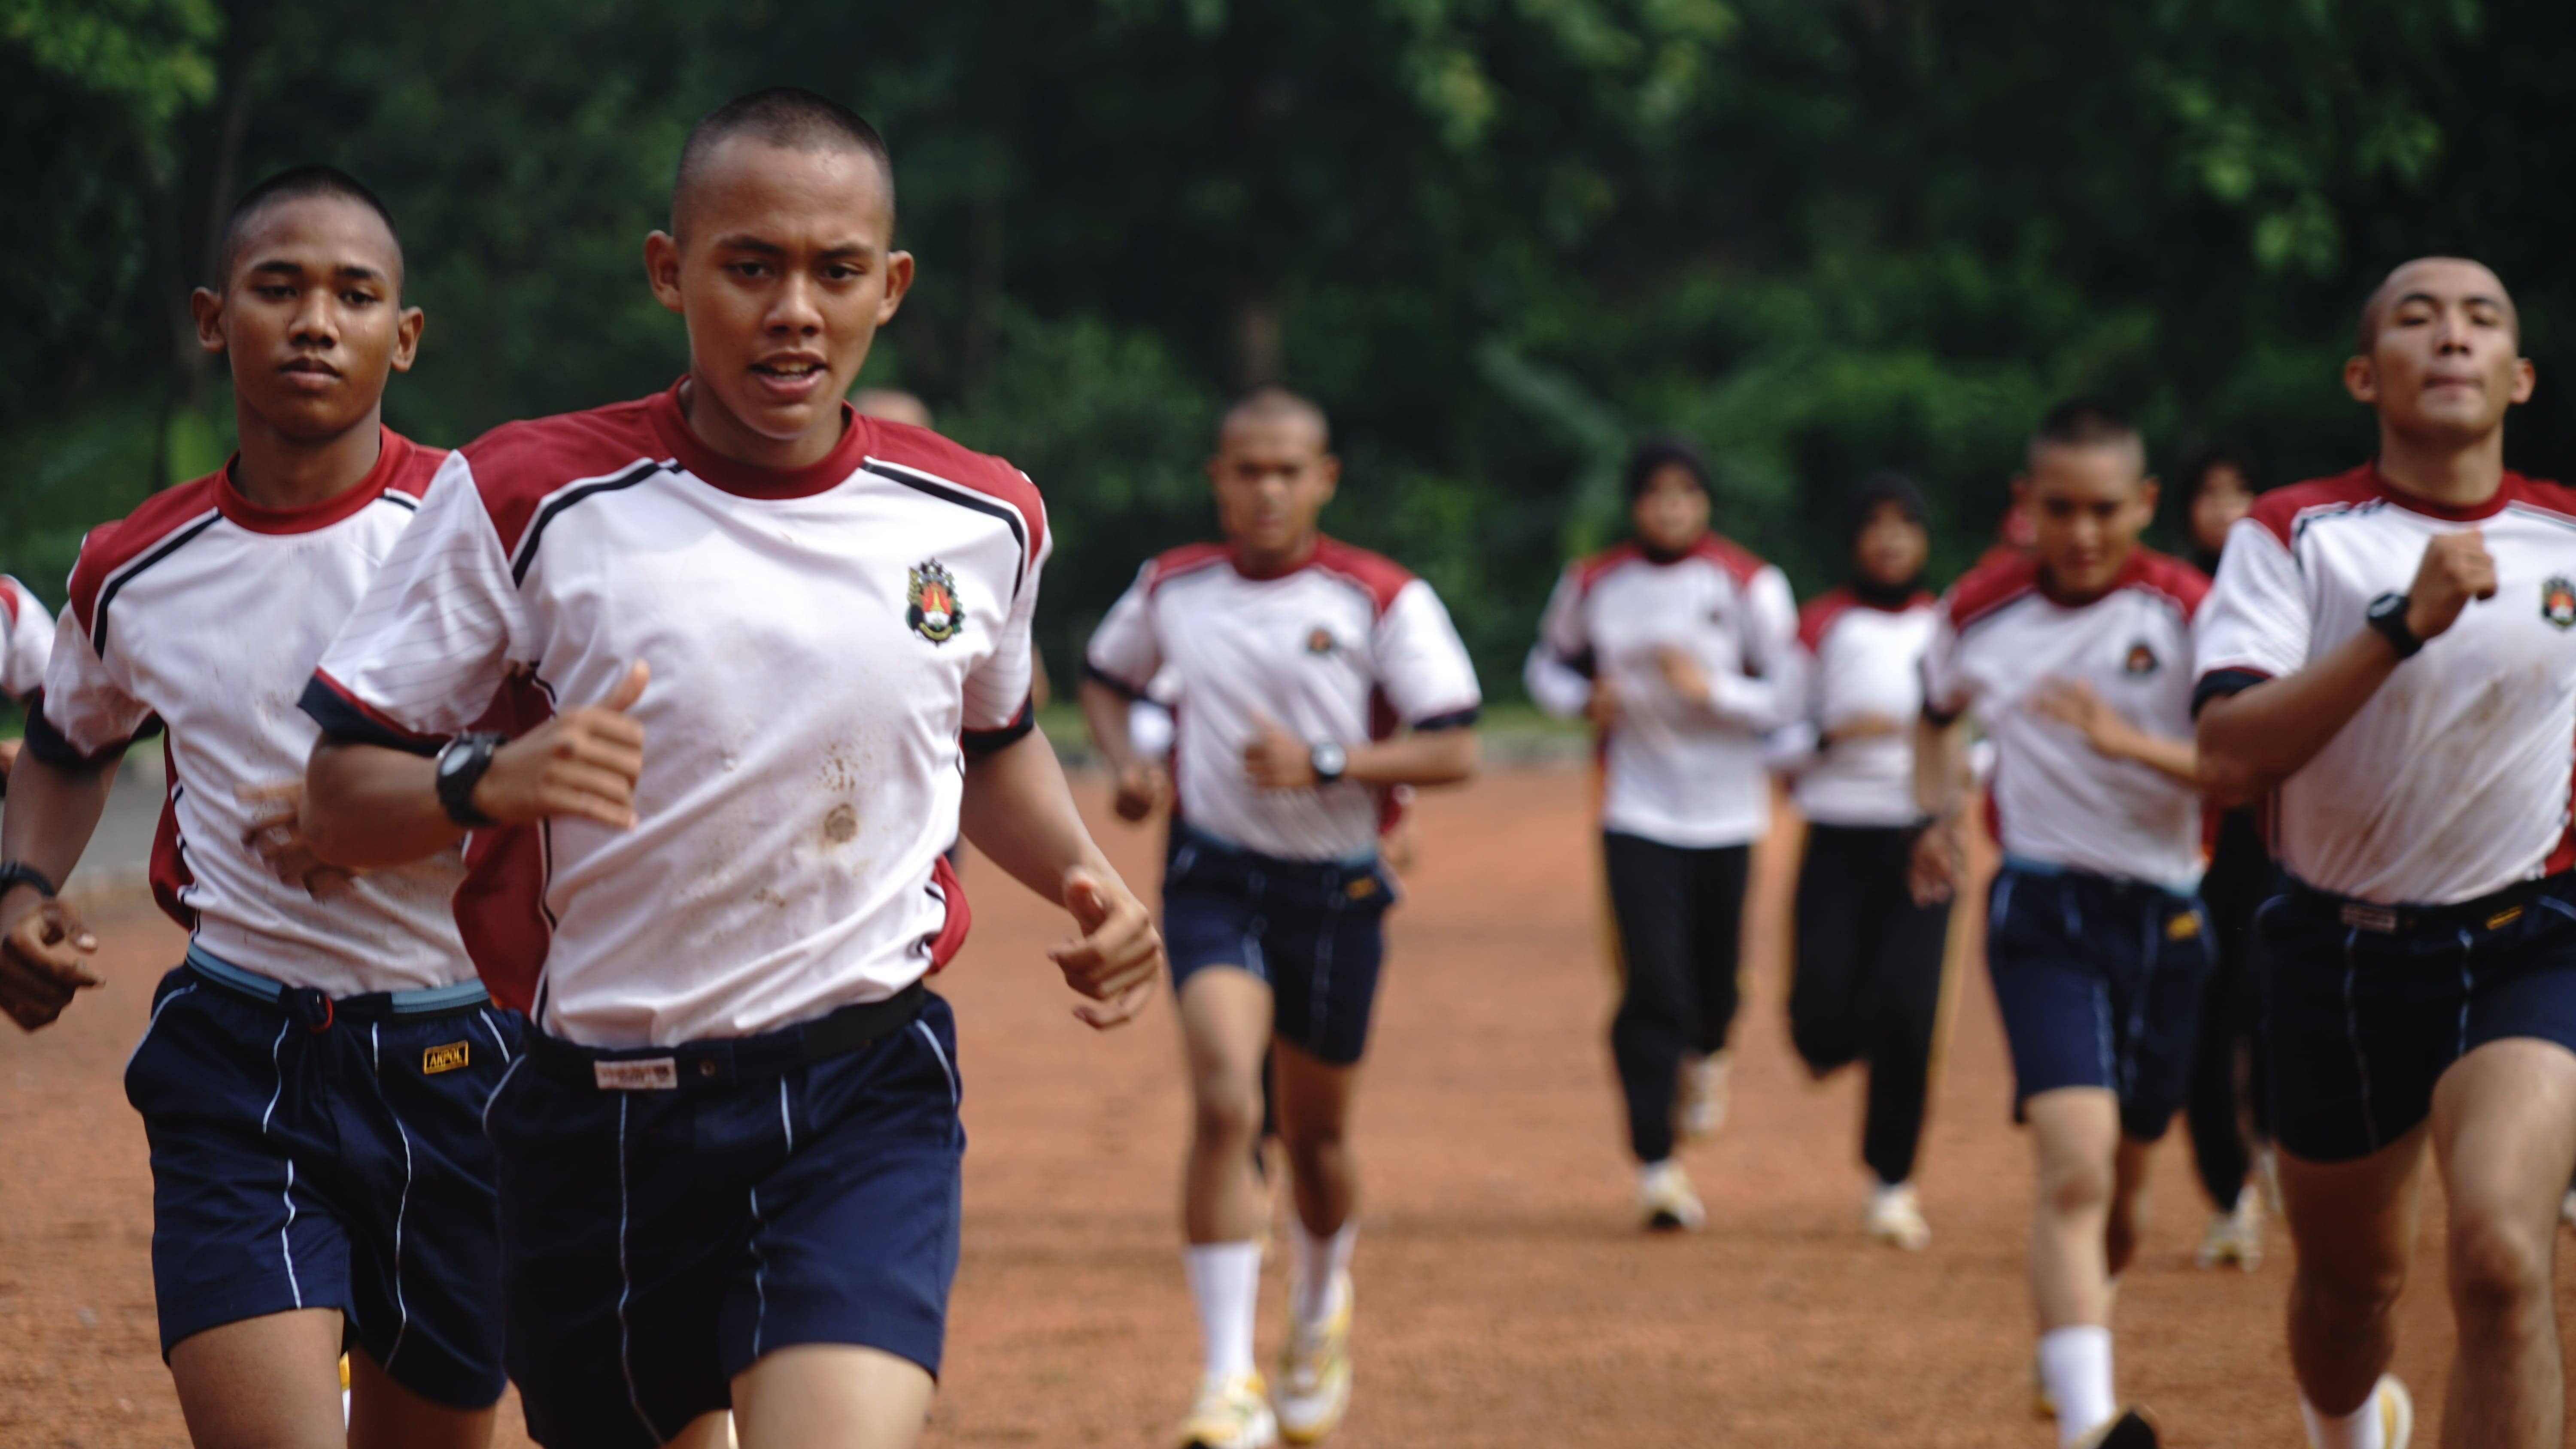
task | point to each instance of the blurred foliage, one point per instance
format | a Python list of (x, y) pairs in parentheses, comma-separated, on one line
[(1499, 239)]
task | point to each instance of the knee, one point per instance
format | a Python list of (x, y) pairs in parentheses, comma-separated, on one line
[(2350, 1293), (1312, 1148), (2496, 1268), (1227, 1111), (2074, 1189)]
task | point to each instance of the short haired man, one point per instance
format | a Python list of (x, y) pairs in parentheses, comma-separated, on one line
[(2390, 659), (2077, 660), (799, 640), (1312, 677)]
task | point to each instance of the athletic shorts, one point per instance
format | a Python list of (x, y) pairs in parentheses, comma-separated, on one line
[(2364, 1007), (303, 1157), (735, 1197), (1313, 930), (2099, 981)]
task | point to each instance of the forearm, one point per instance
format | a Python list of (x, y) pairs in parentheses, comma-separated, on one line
[(1018, 810), (1939, 769), (2177, 760), (53, 811), (367, 807), (2252, 740), (1104, 710), (1435, 757), (1758, 705)]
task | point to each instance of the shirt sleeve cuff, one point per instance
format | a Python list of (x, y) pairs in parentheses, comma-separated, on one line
[(55, 748), (344, 716), (985, 742), (1449, 719), (1094, 671), (2220, 683)]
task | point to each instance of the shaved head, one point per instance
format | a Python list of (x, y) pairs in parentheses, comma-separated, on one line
[(787, 119), (1264, 407), (2405, 282), (296, 184)]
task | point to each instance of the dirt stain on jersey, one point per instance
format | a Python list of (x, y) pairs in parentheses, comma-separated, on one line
[(841, 826)]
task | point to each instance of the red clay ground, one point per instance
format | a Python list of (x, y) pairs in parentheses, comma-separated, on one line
[(1504, 1299)]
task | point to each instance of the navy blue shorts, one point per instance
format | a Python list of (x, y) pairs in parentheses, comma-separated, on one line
[(1313, 930), (341, 1168), (2364, 1008), (2099, 981), (659, 1242)]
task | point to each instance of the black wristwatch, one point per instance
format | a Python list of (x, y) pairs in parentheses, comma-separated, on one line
[(460, 769), (2388, 616), (16, 873), (1328, 760)]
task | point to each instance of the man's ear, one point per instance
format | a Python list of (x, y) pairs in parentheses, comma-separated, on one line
[(662, 268), (208, 310), (2361, 379)]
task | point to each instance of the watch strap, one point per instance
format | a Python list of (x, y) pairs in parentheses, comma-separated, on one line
[(456, 782), (15, 873), (2388, 616)]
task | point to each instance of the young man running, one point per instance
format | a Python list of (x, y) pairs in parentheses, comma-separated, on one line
[(791, 650), (1867, 980), (313, 1077), (2077, 660), (1297, 659), (2390, 657), (1680, 646)]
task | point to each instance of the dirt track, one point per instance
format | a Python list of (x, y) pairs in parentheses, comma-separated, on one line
[(1504, 1299)]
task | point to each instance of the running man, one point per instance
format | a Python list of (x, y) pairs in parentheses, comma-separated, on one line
[(313, 1076), (1867, 980), (1298, 659), (2390, 659), (2077, 661), (2227, 1111), (1679, 646), (785, 649)]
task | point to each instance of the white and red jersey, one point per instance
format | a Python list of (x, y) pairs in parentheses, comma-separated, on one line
[(1343, 649), (826, 643), (26, 639), (2452, 782), (2058, 801), (1682, 772), (202, 613), (1860, 660)]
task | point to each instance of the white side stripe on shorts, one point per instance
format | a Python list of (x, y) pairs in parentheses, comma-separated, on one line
[(155, 1021), (926, 1035), (402, 1205), (626, 1286), (497, 1042), (285, 1244)]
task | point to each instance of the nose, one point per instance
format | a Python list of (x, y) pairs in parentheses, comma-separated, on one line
[(795, 312), (2451, 333), (313, 324)]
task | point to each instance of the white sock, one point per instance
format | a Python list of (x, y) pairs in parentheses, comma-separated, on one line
[(1319, 1262), (2075, 1364), (1225, 1281), (2360, 1429), (1651, 1174)]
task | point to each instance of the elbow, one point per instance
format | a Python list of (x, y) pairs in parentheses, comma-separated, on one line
[(2228, 782), (1459, 761), (324, 818)]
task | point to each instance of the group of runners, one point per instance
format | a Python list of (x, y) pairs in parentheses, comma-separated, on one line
[(563, 827)]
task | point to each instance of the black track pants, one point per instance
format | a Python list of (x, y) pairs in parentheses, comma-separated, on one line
[(2229, 1092), (1681, 915), (1867, 986)]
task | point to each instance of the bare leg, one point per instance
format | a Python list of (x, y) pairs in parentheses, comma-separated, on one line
[(827, 1393), (2354, 1226), (2128, 1216), (271, 1382), (1314, 1118), (2504, 1140), (1225, 1027), (2075, 1132), (385, 1415), (707, 1431)]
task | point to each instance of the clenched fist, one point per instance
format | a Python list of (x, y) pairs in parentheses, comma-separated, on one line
[(581, 765), (2456, 569)]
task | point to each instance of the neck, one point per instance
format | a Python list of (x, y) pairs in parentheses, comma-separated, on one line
[(715, 425), (2443, 471), (1271, 563), (1667, 555), (275, 471), (1885, 596), (2056, 593)]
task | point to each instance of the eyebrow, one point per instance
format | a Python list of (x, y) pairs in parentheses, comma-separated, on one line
[(744, 242), (2475, 299), (346, 271)]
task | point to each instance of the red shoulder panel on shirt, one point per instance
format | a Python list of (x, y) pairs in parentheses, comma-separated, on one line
[(1997, 580), (2542, 494), (919, 448), (2278, 511), (1819, 615), (1189, 558), (2162, 573), (1382, 577), (1740, 563), (1589, 571), (517, 464), (411, 478), (111, 546)]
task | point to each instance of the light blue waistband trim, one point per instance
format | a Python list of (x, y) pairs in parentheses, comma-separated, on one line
[(2024, 865), (401, 1003), (1359, 860)]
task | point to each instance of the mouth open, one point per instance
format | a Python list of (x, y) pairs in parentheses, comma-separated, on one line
[(790, 379)]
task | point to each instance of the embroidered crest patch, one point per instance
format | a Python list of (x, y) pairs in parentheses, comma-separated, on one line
[(933, 612)]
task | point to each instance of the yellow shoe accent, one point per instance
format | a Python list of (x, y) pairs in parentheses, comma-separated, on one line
[(1230, 1413), (1315, 1372)]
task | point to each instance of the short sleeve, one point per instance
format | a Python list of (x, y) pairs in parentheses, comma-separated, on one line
[(433, 637), (1561, 630), (1422, 665), (1771, 627), (85, 714), (999, 704), (1947, 691), (1123, 652), (2255, 624), (29, 643)]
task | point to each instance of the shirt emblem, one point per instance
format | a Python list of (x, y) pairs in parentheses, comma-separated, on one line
[(2142, 659), (2558, 602), (933, 612), (1320, 641)]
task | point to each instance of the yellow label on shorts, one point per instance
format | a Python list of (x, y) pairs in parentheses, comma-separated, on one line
[(1361, 889), (444, 1058), (2504, 918), (2183, 927)]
